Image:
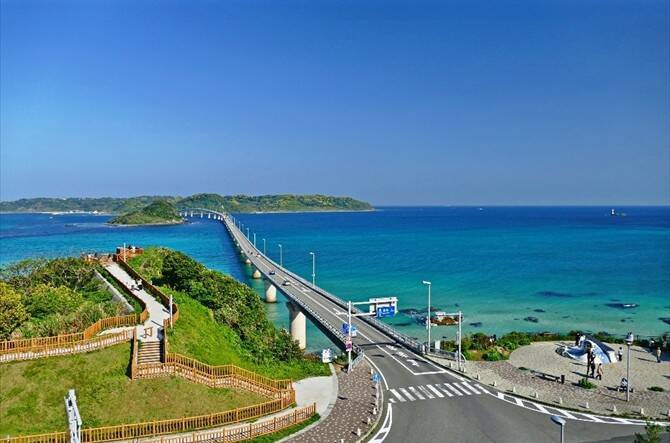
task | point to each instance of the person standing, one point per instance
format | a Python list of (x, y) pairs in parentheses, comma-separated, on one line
[(593, 368), (620, 354), (600, 372), (658, 354)]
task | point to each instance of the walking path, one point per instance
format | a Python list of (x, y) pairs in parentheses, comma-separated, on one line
[(157, 312), (354, 406), (520, 377)]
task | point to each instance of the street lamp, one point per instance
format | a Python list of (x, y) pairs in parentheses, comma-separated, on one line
[(281, 258), (247, 232), (629, 341), (254, 239), (264, 253), (313, 269), (559, 421), (429, 284)]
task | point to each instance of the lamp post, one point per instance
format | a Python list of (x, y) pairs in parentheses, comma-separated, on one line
[(428, 325), (281, 258), (561, 422), (247, 232), (264, 253), (254, 239), (313, 269), (629, 341)]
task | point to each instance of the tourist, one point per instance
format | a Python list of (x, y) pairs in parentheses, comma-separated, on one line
[(593, 368), (651, 345), (620, 353), (600, 372), (577, 335), (658, 354)]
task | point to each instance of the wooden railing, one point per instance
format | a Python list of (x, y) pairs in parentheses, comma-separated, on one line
[(158, 427), (75, 347), (248, 431), (76, 340), (150, 288)]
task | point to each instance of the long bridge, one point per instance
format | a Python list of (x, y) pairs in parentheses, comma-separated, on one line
[(470, 412)]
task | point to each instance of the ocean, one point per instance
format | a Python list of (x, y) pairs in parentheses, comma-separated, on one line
[(505, 268)]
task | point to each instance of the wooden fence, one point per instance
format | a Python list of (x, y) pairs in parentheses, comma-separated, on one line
[(76, 347), (71, 343), (248, 431), (150, 288), (158, 427)]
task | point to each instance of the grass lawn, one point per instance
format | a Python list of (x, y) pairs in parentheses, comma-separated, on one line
[(197, 335), (31, 393)]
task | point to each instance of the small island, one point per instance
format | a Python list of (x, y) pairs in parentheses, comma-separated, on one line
[(157, 213)]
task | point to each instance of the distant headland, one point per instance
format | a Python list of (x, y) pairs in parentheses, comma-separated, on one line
[(227, 203)]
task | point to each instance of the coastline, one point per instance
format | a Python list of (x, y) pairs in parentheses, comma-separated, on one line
[(132, 225)]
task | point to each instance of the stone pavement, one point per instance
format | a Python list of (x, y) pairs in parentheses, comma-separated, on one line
[(509, 378), (354, 405)]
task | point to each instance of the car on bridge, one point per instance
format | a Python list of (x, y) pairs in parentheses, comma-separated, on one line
[(272, 272), (286, 283)]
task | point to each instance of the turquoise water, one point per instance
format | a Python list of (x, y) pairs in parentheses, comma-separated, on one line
[(569, 268)]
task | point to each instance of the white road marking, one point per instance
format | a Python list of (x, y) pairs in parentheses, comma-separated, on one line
[(398, 396), (472, 388), (446, 391), (454, 390), (385, 429), (437, 392), (417, 393), (518, 401), (426, 392), (407, 394), (457, 386)]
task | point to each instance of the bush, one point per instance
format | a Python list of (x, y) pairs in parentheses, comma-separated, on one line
[(584, 383), (492, 355), (12, 311)]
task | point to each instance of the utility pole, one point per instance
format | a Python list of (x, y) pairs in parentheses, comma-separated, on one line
[(313, 269), (630, 338), (428, 322)]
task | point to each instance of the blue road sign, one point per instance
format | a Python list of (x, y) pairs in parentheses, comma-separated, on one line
[(375, 377), (345, 329), (385, 311)]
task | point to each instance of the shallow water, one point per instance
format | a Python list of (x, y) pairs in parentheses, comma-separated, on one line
[(569, 268)]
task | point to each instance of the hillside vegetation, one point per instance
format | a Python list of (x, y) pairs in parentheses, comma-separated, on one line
[(221, 320), (158, 212), (231, 203), (51, 297)]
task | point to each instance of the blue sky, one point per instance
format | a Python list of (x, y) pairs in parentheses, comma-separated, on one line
[(472, 102)]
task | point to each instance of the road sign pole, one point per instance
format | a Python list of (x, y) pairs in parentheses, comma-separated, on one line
[(349, 335)]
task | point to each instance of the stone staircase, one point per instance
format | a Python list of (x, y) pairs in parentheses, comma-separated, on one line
[(150, 352)]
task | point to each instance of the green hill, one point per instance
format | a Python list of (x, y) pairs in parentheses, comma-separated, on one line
[(158, 212), (230, 203)]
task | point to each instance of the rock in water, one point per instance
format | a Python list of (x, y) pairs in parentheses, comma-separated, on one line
[(532, 319)]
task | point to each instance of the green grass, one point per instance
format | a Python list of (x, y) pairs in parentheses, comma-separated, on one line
[(31, 393), (584, 383), (197, 335), (285, 432)]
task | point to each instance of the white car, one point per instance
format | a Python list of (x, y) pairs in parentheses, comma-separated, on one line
[(286, 283)]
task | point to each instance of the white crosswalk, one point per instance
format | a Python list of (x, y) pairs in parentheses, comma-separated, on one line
[(434, 391)]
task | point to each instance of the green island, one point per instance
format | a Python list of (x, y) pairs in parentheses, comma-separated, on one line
[(222, 321), (160, 212), (228, 203)]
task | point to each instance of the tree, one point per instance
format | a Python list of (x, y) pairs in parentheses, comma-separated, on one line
[(43, 300), (12, 311), (652, 434), (179, 269)]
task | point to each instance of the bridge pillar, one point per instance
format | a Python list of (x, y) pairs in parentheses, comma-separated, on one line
[(298, 324), (270, 292), (256, 274), (247, 261)]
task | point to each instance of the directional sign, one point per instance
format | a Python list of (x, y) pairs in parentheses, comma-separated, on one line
[(345, 329), (375, 377), (385, 311), (348, 345), (326, 356)]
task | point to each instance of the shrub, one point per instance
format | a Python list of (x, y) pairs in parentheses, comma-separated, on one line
[(12, 311), (492, 355), (584, 383)]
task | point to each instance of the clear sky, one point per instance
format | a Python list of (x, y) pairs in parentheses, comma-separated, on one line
[(471, 102)]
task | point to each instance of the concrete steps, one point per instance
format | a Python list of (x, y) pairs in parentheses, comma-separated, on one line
[(150, 352)]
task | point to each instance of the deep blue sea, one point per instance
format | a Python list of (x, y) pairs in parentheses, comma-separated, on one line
[(569, 267)]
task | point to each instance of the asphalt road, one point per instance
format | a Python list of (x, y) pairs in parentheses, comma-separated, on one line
[(460, 410)]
